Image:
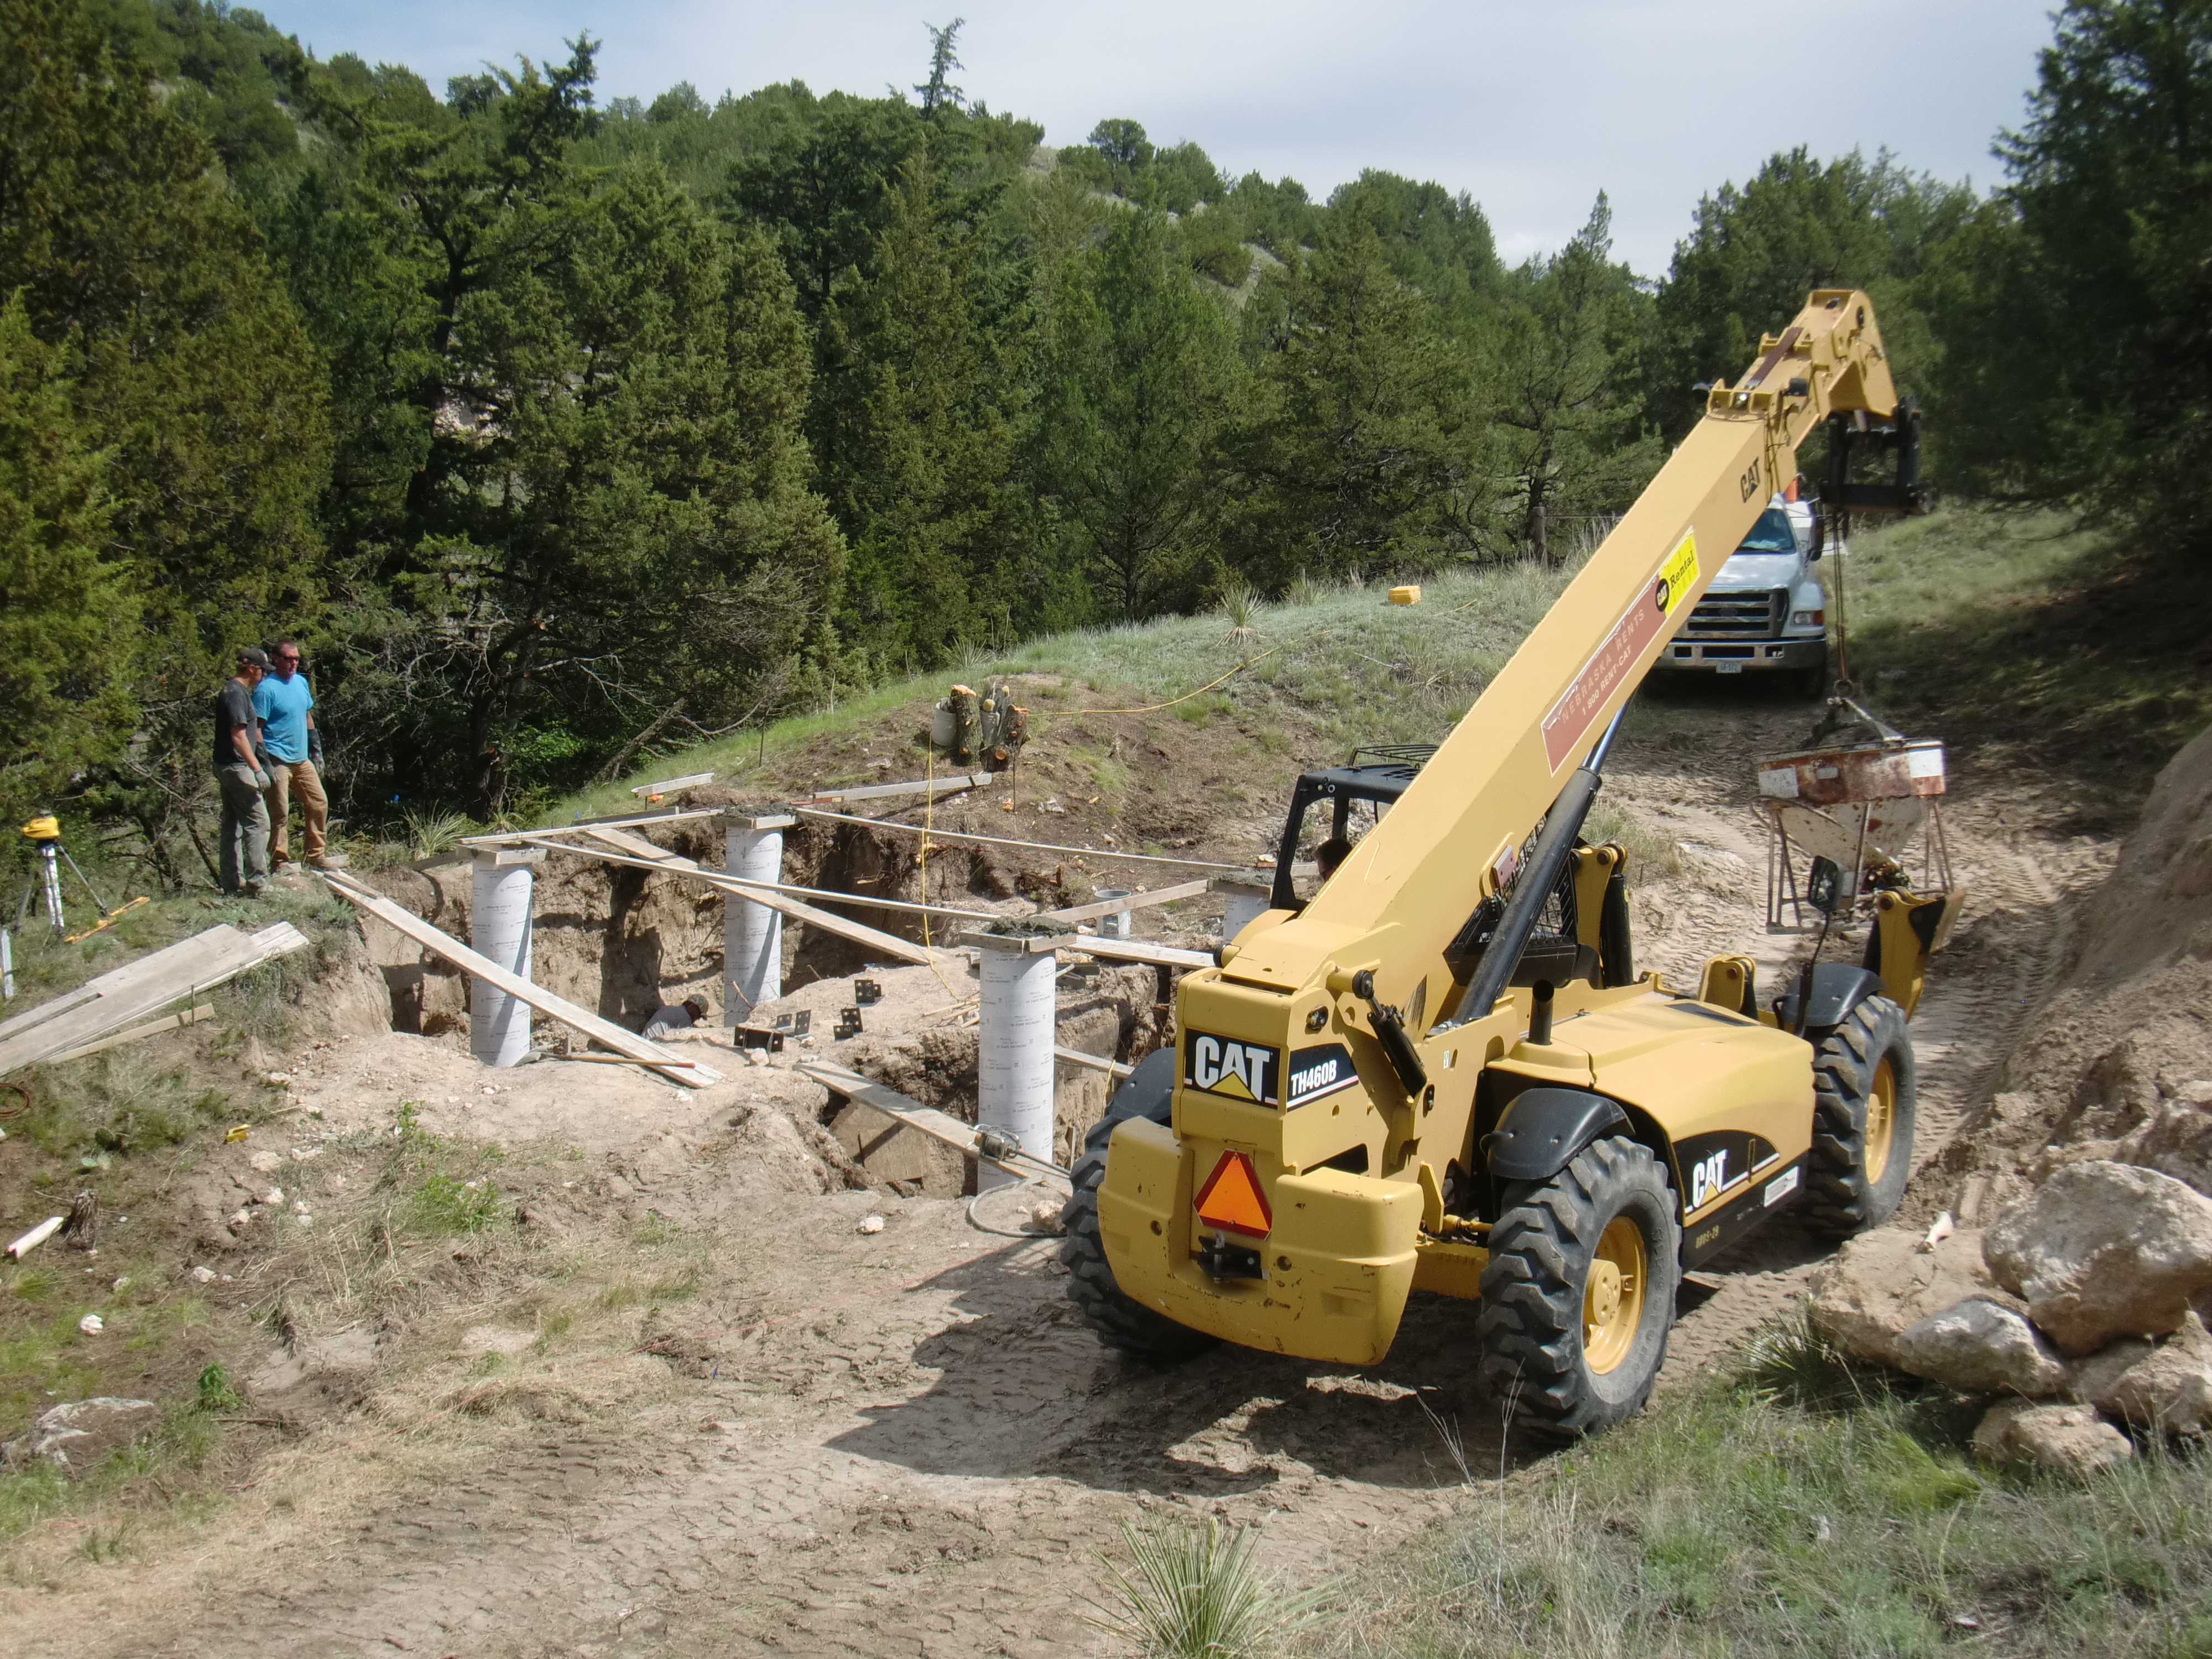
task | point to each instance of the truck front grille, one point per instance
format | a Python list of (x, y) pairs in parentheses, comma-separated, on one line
[(1739, 615)]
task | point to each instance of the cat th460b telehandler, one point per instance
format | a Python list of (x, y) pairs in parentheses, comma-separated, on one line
[(1443, 1073)]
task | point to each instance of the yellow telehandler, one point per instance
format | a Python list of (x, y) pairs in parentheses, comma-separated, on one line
[(1442, 1071)]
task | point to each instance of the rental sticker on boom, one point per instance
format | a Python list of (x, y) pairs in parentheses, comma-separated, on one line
[(1642, 622)]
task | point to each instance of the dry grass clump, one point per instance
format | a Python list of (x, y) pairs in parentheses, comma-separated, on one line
[(1803, 1506)]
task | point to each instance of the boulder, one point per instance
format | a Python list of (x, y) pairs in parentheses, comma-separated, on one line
[(2103, 1250), (1881, 1282), (2165, 1386), (2069, 1440), (2176, 1140), (1980, 1348), (77, 1434)]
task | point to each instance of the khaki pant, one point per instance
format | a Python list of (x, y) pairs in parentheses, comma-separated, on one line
[(287, 779)]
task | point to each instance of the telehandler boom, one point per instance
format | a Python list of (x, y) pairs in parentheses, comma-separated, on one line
[(1443, 1073)]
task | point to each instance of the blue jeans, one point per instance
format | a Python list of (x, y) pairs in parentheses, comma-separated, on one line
[(244, 860)]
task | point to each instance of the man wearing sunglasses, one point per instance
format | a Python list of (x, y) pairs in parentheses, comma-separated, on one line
[(287, 710)]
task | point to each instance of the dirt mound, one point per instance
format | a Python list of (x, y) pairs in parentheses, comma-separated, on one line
[(2113, 1051)]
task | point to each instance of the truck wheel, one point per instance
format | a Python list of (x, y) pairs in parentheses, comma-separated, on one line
[(1119, 1321), (1579, 1291), (1864, 1098)]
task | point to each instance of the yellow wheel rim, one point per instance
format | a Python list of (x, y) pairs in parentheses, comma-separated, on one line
[(1612, 1295), (1880, 1119)]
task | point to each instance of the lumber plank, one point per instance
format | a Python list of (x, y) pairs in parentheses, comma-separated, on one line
[(144, 986), (1096, 1062), (1107, 855), (951, 784), (1138, 950), (690, 1072), (890, 944), (1131, 901), (502, 837), (667, 786), (172, 1023), (928, 1120)]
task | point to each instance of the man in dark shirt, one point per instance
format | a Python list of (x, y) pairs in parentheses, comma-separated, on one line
[(241, 776)]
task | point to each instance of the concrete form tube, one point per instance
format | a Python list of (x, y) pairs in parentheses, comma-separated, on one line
[(1015, 1033), (752, 934), (499, 927)]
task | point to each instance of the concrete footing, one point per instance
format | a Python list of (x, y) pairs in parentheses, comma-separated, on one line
[(500, 916)]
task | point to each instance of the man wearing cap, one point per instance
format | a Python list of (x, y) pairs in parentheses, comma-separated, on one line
[(286, 708), (240, 776)]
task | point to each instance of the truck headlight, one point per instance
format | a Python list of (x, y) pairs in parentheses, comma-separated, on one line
[(1807, 618)]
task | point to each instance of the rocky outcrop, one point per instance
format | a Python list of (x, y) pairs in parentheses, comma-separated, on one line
[(1880, 1283), (2176, 1140), (1980, 1347), (2166, 1387), (76, 1436), (2069, 1440), (2106, 1249)]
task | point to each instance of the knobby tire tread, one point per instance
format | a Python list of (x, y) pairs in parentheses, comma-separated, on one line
[(1118, 1321), (1530, 1326), (1838, 1199)]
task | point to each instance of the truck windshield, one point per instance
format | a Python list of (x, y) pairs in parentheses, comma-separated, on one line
[(1771, 534)]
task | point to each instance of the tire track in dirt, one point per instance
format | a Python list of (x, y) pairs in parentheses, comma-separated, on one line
[(2011, 940), (935, 1470)]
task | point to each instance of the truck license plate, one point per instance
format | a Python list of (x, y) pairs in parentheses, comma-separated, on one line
[(1727, 668)]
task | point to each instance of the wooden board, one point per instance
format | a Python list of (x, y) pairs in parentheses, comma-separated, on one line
[(504, 836), (668, 785), (1107, 854), (145, 987), (690, 1074), (1096, 1062), (635, 851), (1131, 901), (951, 783), (928, 1120), (172, 1023)]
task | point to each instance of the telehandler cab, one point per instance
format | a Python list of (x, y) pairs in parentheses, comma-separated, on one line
[(1441, 1071)]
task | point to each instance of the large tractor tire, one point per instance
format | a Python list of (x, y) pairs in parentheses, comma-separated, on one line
[(1864, 1092), (1579, 1291), (1120, 1323)]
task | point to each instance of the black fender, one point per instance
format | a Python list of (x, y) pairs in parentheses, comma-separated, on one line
[(1544, 1127), (1837, 988), (1148, 1091)]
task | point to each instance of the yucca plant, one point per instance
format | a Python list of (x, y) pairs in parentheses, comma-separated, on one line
[(432, 832), (1198, 1593), (1240, 607)]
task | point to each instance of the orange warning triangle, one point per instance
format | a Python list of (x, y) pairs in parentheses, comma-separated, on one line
[(1232, 1198)]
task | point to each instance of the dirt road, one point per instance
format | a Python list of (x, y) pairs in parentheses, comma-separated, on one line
[(902, 1443)]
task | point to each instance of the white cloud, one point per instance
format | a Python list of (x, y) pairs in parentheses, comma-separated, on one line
[(1531, 109)]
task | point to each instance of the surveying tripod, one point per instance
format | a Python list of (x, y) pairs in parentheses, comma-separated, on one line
[(44, 834)]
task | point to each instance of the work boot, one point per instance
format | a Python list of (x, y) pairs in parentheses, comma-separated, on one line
[(328, 861), (255, 889), (287, 868)]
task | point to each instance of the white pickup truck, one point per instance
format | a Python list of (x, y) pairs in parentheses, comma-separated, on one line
[(1765, 613)]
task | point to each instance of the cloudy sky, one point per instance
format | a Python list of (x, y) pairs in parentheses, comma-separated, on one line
[(1533, 108)]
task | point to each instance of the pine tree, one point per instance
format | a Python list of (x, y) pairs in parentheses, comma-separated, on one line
[(1138, 382), (1563, 412), (1355, 460), (67, 612), (184, 360), (914, 434), (2077, 357)]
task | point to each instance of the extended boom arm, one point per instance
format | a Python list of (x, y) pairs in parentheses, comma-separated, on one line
[(1453, 840)]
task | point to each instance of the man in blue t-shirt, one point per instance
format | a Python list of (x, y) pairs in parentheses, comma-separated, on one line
[(287, 711)]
